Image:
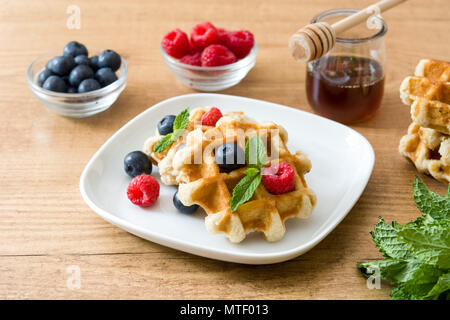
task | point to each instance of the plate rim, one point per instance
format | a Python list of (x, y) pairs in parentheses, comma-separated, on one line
[(221, 254)]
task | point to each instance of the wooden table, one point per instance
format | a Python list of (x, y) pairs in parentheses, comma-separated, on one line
[(45, 226)]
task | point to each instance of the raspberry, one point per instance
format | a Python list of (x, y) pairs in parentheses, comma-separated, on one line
[(222, 33), (279, 178), (175, 43), (211, 117), (217, 55), (192, 59), (192, 48), (203, 35), (240, 42), (143, 190)]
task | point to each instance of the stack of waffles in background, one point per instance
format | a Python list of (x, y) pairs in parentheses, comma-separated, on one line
[(211, 188), (427, 143)]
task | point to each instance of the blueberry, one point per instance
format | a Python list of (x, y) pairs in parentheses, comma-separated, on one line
[(105, 76), (72, 90), (74, 49), (66, 80), (61, 65), (79, 73), (136, 163), (230, 156), (55, 83), (181, 207), (44, 75), (88, 85), (109, 59), (165, 126), (82, 59), (93, 62)]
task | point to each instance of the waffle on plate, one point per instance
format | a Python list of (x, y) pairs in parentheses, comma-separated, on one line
[(205, 184)]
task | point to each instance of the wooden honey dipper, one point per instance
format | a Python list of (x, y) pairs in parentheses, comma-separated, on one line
[(314, 40)]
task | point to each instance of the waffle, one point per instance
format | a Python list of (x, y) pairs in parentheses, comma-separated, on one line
[(209, 187), (428, 93), (429, 150), (433, 69)]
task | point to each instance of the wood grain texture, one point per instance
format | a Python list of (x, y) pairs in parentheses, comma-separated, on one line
[(44, 224)]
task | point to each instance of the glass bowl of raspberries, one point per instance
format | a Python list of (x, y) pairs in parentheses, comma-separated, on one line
[(75, 84), (211, 58)]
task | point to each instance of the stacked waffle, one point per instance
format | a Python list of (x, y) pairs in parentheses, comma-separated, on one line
[(427, 143), (203, 183)]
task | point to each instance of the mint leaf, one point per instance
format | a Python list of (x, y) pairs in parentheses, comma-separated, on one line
[(179, 125), (165, 142), (181, 120), (244, 190), (430, 203), (401, 271), (430, 244), (442, 285), (252, 172), (255, 152), (386, 240), (255, 157), (399, 293), (407, 291), (177, 133)]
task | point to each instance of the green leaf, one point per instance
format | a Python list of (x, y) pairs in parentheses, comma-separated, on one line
[(442, 285), (165, 142), (179, 125), (244, 190), (429, 243), (401, 271), (430, 203), (252, 172), (399, 293), (386, 240), (177, 133), (181, 120), (407, 291), (255, 152), (255, 157)]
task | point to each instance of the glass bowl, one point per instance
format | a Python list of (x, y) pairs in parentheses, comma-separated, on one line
[(76, 105), (211, 78)]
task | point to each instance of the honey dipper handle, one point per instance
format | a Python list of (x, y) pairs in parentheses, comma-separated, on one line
[(314, 40), (364, 14)]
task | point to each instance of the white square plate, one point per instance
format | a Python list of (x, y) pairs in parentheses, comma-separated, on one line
[(342, 162)]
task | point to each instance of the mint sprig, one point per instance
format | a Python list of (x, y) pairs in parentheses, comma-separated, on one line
[(179, 125), (255, 158), (417, 254)]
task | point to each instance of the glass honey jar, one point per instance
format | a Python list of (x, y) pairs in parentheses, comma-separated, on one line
[(347, 83)]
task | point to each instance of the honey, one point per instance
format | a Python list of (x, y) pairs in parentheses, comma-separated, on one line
[(347, 89)]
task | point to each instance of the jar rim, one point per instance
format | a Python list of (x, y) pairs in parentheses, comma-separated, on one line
[(333, 12)]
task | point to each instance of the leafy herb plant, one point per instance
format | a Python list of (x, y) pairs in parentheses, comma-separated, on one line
[(417, 254)]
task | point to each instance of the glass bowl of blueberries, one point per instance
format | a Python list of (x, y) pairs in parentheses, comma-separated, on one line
[(75, 84)]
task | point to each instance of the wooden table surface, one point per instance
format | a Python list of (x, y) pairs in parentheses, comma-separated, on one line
[(46, 228)]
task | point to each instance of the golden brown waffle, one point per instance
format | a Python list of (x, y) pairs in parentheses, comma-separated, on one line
[(433, 69), (206, 185), (429, 150), (428, 93)]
